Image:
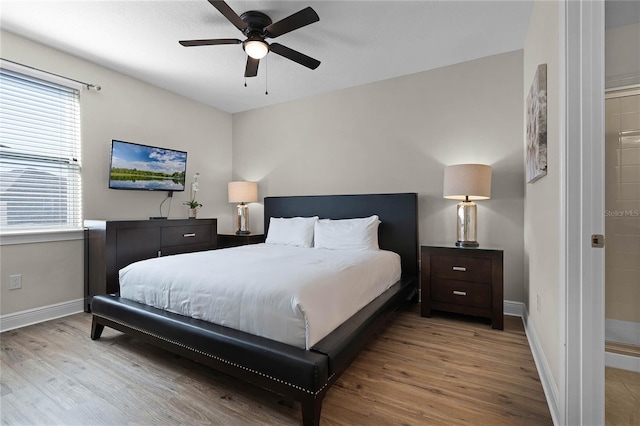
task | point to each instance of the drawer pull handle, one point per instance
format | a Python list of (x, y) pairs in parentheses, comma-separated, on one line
[(459, 293), (189, 235), (459, 268)]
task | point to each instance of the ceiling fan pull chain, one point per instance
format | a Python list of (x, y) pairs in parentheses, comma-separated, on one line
[(266, 75), (256, 27)]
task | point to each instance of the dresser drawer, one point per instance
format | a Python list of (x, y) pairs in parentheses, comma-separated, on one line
[(461, 292), (186, 235), (461, 268)]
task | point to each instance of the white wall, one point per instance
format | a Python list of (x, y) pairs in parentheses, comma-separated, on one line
[(397, 136), (622, 56), (129, 110), (543, 197)]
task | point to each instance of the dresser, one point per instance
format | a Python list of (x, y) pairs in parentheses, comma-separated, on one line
[(110, 245), (463, 280)]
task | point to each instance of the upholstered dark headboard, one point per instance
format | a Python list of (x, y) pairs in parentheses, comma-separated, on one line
[(398, 213)]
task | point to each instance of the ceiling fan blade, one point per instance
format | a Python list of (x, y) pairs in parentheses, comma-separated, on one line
[(299, 19), (294, 55), (228, 13), (251, 69), (210, 42)]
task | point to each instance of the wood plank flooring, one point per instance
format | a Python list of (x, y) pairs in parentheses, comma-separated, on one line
[(445, 370), (622, 397)]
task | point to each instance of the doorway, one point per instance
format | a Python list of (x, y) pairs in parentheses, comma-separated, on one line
[(622, 256)]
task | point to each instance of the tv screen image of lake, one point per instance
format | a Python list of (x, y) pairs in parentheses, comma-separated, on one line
[(142, 167), (155, 183)]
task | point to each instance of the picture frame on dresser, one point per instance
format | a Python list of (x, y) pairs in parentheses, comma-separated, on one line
[(466, 281)]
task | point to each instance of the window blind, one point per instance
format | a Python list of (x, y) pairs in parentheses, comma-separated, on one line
[(40, 185)]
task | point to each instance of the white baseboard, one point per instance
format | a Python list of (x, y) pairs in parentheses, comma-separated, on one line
[(623, 362), (622, 331), (551, 393), (45, 313), (513, 309), (549, 385), (33, 316)]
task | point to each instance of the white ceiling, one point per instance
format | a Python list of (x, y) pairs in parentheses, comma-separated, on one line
[(358, 42)]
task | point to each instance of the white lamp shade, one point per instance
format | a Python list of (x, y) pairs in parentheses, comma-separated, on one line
[(243, 192), (257, 49), (467, 180)]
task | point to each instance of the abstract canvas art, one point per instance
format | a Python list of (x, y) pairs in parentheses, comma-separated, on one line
[(537, 126)]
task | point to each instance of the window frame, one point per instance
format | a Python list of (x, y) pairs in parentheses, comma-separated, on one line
[(48, 234)]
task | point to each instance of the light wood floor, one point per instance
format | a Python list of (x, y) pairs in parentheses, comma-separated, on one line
[(622, 389), (418, 371), (622, 397)]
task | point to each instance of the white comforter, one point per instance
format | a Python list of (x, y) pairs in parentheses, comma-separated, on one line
[(290, 294)]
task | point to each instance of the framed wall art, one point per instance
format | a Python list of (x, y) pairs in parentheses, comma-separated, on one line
[(537, 126)]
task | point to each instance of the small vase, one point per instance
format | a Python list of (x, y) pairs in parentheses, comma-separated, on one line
[(193, 213)]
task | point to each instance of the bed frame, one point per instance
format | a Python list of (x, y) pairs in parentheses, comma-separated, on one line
[(299, 374)]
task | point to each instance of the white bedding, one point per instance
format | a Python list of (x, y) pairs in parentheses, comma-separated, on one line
[(290, 294)]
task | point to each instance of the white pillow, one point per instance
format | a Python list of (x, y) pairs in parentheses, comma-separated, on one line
[(295, 231), (347, 234)]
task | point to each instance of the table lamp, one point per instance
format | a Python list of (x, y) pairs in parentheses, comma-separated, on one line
[(467, 182), (242, 192)]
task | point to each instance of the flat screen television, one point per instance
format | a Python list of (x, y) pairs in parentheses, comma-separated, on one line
[(147, 168)]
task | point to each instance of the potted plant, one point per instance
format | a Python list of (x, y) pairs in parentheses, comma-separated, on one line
[(193, 207)]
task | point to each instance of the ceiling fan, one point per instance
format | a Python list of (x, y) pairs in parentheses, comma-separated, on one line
[(257, 26)]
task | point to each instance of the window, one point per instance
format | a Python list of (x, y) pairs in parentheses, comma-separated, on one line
[(40, 186)]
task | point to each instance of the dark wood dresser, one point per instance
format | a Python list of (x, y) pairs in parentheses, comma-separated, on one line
[(113, 244), (463, 280)]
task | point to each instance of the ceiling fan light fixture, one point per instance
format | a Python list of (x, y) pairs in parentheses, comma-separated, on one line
[(256, 27), (257, 49)]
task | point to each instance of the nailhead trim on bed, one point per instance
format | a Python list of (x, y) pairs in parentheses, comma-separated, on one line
[(233, 364)]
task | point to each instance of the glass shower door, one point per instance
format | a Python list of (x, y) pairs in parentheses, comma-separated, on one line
[(622, 223)]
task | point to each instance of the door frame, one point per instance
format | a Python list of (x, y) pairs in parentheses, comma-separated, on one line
[(582, 298)]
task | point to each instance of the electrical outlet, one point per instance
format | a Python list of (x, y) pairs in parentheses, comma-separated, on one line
[(538, 303), (15, 282)]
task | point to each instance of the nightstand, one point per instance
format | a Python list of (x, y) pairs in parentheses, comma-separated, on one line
[(462, 280), (229, 239)]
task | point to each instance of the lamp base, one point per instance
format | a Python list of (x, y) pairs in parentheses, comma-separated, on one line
[(242, 219), (467, 244), (466, 224)]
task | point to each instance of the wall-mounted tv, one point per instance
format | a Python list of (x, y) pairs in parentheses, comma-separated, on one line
[(147, 168)]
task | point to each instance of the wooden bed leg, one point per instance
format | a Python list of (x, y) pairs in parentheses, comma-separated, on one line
[(96, 329), (311, 407)]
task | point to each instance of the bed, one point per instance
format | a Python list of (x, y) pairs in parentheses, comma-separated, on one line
[(300, 373)]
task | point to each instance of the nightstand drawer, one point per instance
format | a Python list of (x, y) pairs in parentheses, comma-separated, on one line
[(461, 292), (185, 235), (461, 268), (234, 240), (465, 281)]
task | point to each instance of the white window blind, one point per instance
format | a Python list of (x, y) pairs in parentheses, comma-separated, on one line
[(40, 186)]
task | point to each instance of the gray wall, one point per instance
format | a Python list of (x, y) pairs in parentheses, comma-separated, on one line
[(391, 136), (397, 136), (129, 110), (622, 56)]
